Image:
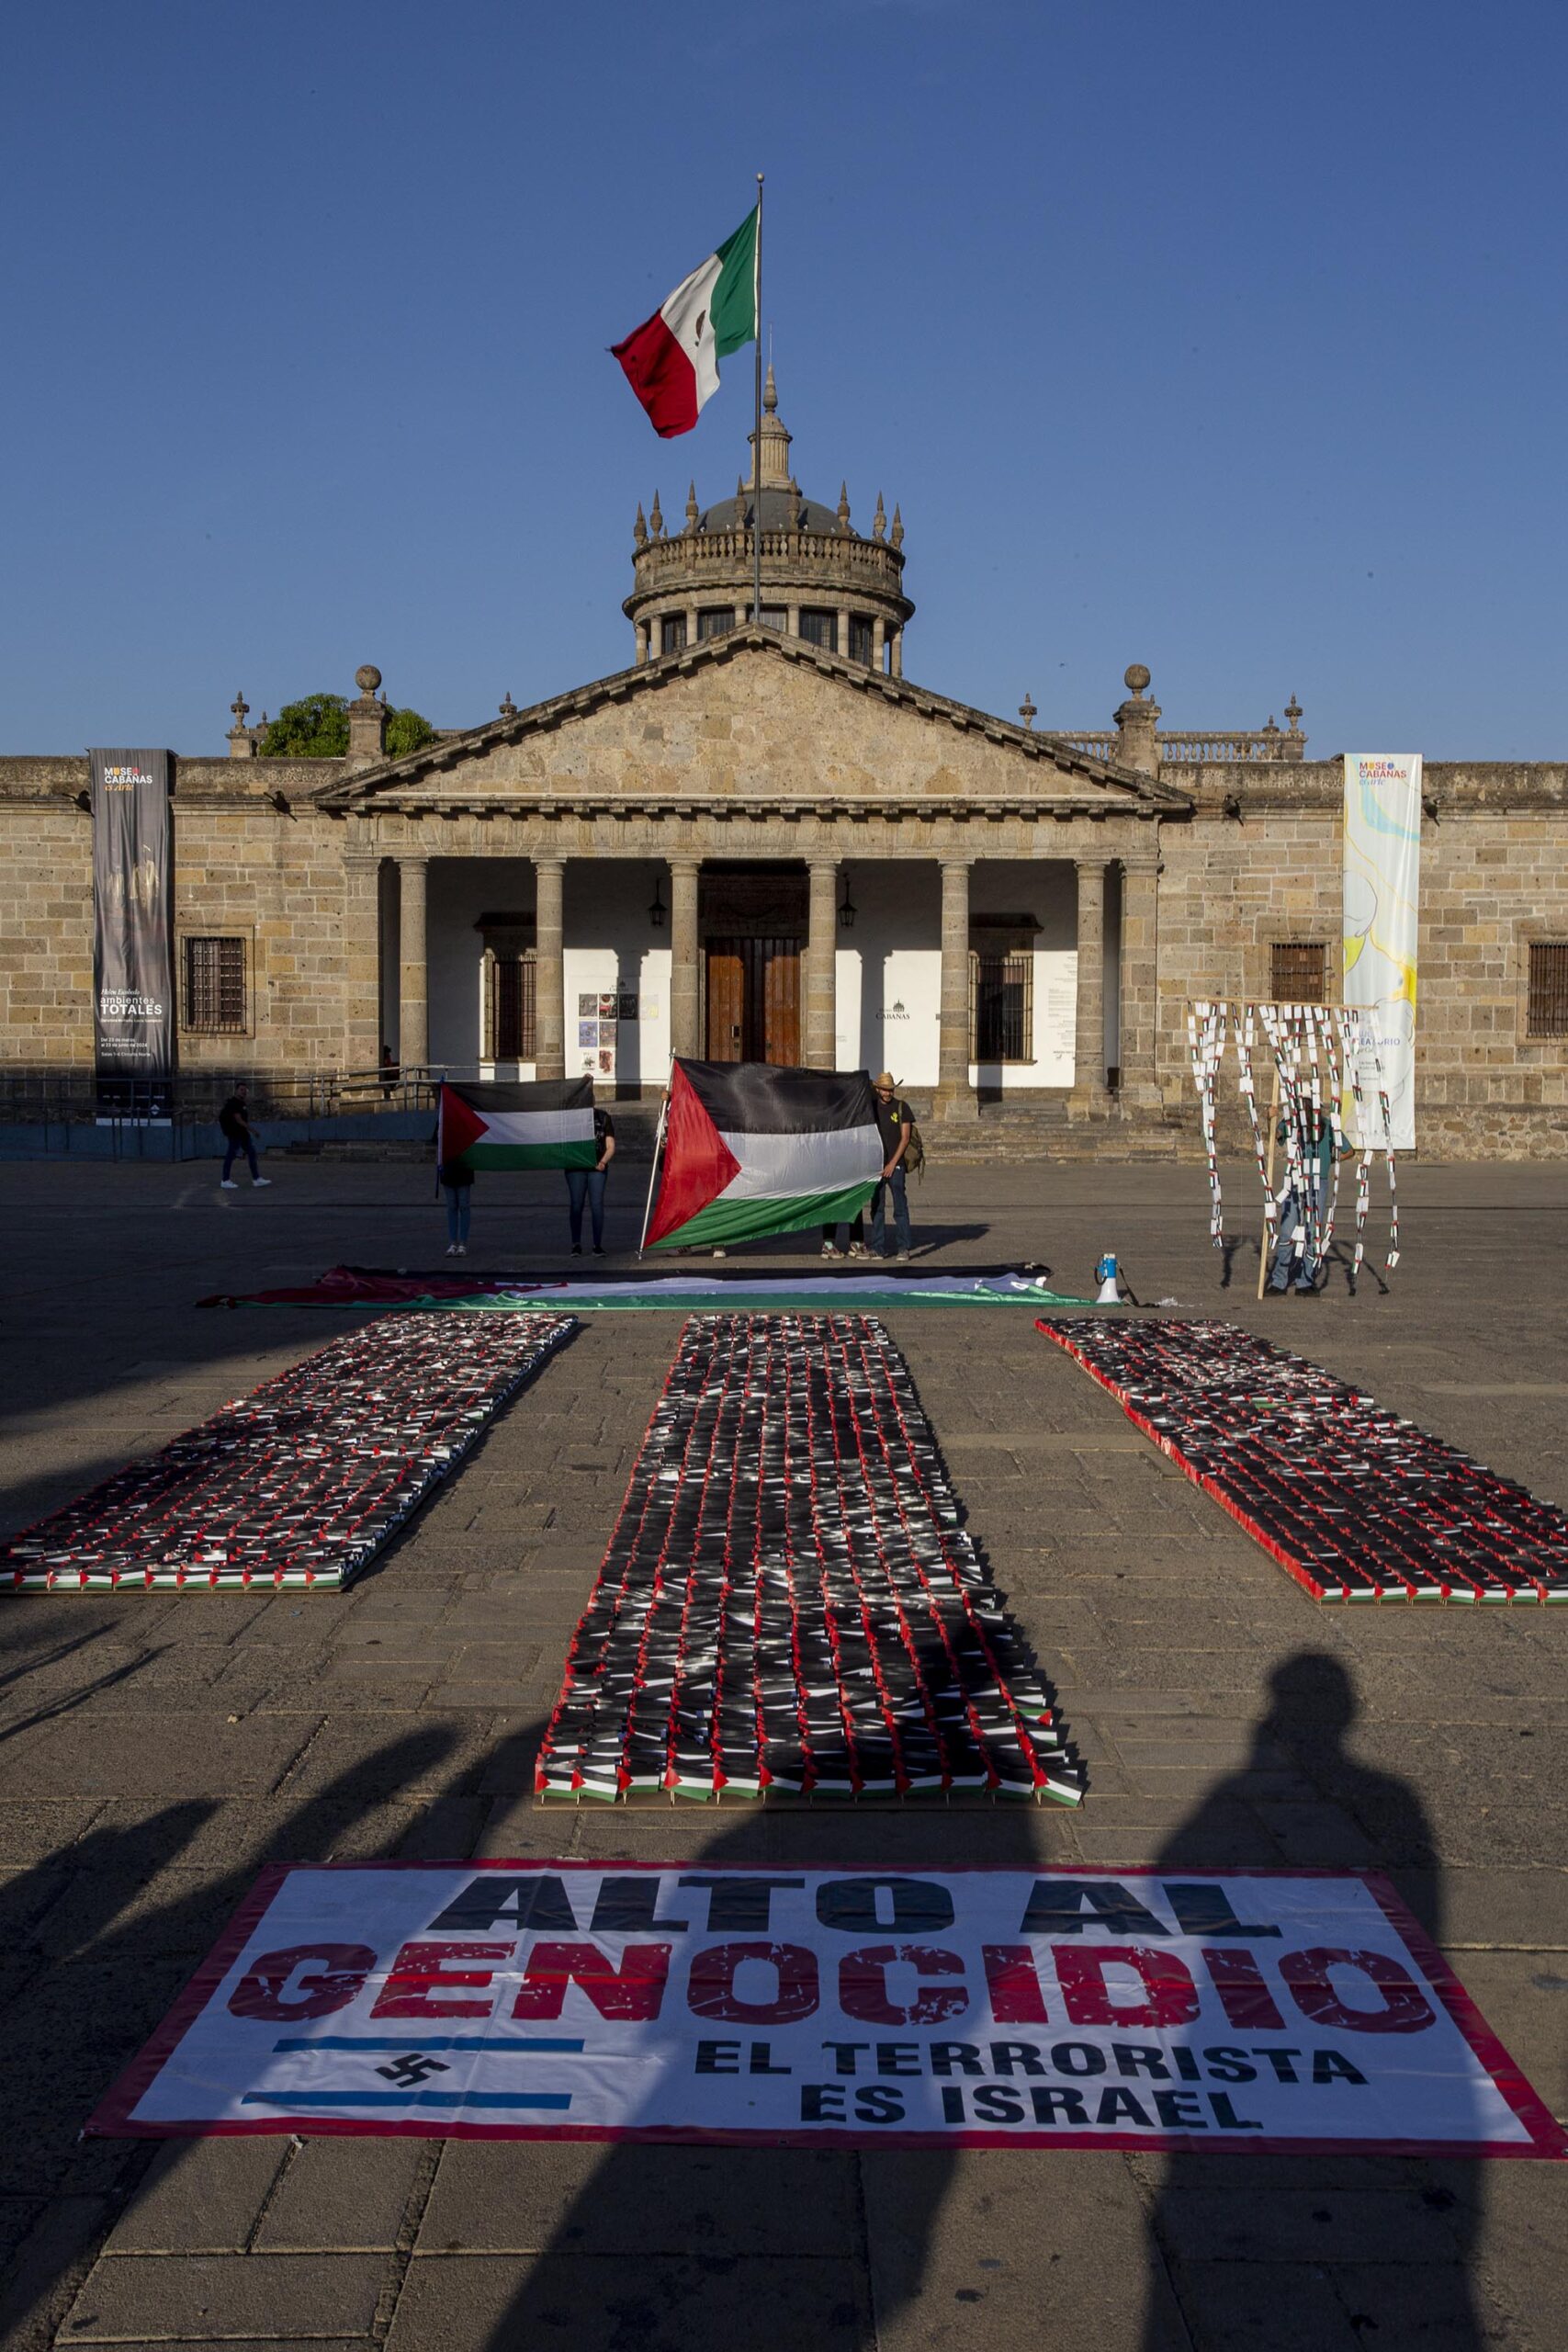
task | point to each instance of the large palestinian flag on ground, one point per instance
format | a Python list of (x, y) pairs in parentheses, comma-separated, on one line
[(749, 1149), (545, 1124)]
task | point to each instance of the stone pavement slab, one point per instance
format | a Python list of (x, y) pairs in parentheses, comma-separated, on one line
[(401, 1718)]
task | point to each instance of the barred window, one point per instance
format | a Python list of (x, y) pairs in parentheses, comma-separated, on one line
[(510, 1010), (819, 628), (861, 639), (1547, 1015), (713, 620), (1297, 971), (672, 633), (215, 985), (1002, 1006)]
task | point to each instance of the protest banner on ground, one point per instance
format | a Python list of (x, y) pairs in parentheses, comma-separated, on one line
[(1274, 2010)]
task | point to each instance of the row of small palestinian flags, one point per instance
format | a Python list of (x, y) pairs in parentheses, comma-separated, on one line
[(747, 1150), (789, 1606), (300, 1483), (1357, 1503)]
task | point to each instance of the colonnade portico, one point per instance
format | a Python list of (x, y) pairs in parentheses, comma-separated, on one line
[(955, 1095)]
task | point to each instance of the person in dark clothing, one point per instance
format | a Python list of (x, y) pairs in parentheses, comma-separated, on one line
[(588, 1184), (457, 1181), (895, 1122), (857, 1240), (233, 1122), (1301, 1202)]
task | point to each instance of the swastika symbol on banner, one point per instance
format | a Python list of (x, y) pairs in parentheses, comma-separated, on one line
[(407, 2072)]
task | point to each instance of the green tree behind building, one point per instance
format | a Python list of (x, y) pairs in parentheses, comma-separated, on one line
[(316, 728)]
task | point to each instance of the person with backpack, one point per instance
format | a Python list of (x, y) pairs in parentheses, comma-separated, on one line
[(896, 1123)]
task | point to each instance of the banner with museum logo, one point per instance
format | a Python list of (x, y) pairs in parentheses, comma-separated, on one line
[(1382, 866), (133, 975), (1275, 2010)]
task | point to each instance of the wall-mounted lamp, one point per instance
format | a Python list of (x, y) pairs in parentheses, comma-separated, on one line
[(84, 802), (1232, 806), (655, 911), (280, 802), (848, 910), (1429, 806)]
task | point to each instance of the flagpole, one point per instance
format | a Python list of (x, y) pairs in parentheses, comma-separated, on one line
[(658, 1140), (757, 432)]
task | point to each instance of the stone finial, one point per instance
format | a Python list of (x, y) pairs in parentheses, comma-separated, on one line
[(366, 719), (1026, 709), (879, 520), (656, 519), (508, 707), (896, 534), (843, 506), (640, 528), (241, 742), (1293, 745), (691, 506), (771, 459), (1136, 722), (739, 502)]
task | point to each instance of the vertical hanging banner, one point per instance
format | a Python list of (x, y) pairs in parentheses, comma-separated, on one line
[(133, 978), (1382, 859)]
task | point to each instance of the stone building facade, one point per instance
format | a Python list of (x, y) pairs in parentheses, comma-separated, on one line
[(763, 839)]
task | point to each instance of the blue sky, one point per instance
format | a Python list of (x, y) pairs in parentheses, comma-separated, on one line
[(1216, 335)]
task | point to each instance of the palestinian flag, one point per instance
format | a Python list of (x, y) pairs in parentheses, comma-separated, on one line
[(749, 1149), (547, 1123), (672, 360)]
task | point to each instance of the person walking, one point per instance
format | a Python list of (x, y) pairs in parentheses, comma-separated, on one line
[(234, 1125), (457, 1181), (895, 1122), (588, 1184), (1302, 1201)]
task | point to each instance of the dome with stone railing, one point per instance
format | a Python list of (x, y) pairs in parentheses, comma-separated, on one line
[(821, 579)]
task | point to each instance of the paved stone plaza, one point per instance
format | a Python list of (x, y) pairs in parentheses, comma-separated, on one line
[(157, 1750)]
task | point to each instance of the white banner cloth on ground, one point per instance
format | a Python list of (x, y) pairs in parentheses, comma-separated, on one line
[(1195, 2009), (1382, 861)]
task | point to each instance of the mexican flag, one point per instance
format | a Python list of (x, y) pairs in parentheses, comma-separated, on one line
[(546, 1124), (672, 360), (749, 1149)]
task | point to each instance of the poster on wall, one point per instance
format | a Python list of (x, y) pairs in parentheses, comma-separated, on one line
[(1383, 858), (133, 964), (1261, 2011)]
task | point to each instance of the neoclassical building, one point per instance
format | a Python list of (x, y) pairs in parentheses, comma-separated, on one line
[(763, 839)]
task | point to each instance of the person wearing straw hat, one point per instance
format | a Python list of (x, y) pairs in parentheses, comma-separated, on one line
[(895, 1122)]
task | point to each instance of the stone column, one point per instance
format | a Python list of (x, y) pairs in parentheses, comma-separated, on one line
[(413, 965), (641, 643), (821, 1042), (792, 612), (1091, 1095), (1140, 984), (897, 654), (686, 1029), (955, 1095), (549, 972), (879, 643), (842, 626), (361, 961)]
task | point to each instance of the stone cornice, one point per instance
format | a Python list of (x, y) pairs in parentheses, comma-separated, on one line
[(389, 781)]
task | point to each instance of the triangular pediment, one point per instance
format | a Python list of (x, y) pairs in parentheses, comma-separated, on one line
[(751, 719)]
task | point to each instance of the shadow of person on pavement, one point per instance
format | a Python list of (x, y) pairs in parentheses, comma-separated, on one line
[(1335, 2251), (87, 1967)]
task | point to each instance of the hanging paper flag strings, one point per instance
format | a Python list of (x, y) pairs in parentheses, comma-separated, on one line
[(789, 1607), (1325, 1063)]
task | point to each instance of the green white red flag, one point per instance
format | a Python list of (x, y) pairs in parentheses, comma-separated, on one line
[(544, 1122), (672, 360), (749, 1149)]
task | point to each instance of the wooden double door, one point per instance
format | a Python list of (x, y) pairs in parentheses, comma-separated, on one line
[(753, 1000)]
